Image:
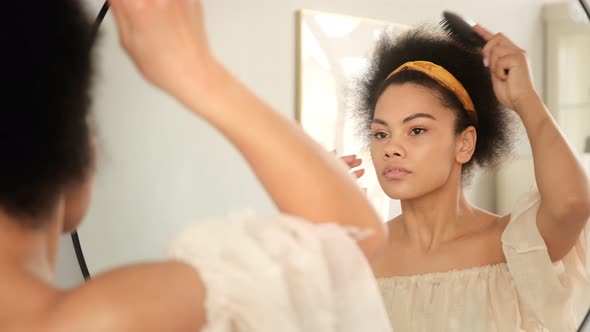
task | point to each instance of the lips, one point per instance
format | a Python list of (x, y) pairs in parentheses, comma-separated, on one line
[(395, 172)]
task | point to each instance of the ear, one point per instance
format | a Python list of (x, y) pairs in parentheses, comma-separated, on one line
[(466, 145), (76, 202), (77, 196)]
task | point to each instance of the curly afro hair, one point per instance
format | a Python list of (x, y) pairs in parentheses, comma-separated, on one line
[(428, 43), (45, 136)]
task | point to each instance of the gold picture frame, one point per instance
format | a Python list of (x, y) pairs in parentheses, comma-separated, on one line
[(332, 50)]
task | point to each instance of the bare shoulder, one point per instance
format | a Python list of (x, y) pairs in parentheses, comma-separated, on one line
[(156, 297), (479, 244), (501, 223), (487, 223)]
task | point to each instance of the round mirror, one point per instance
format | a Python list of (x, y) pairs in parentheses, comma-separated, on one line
[(161, 168)]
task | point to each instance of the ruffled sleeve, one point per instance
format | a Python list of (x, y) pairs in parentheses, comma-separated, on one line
[(554, 295), (283, 274)]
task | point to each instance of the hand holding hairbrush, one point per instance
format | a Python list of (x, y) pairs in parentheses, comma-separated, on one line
[(508, 63), (463, 31)]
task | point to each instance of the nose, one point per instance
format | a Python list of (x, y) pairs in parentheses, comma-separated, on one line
[(394, 149)]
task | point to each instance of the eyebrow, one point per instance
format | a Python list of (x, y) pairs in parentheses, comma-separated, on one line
[(379, 121), (406, 120)]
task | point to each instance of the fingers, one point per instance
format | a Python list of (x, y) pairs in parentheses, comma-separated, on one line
[(505, 63), (358, 173), (483, 32), (499, 40), (496, 54), (141, 13), (493, 40), (499, 46), (128, 14), (351, 160), (118, 11), (503, 58)]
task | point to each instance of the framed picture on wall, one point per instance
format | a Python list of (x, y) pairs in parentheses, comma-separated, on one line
[(332, 51)]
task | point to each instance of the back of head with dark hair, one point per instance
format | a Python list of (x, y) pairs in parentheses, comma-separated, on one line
[(45, 138), (427, 43)]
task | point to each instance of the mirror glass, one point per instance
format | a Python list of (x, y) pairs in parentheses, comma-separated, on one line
[(332, 50), (161, 168)]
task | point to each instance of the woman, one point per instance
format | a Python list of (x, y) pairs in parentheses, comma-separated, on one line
[(48, 167), (434, 110)]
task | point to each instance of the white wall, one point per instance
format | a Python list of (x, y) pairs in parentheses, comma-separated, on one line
[(256, 40)]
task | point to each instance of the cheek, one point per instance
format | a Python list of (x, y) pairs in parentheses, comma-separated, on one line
[(433, 160), (377, 155), (436, 155), (438, 162), (374, 150)]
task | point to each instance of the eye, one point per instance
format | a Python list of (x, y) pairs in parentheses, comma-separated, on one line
[(417, 131), (379, 135)]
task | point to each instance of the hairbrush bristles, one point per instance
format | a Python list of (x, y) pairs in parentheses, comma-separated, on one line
[(460, 30)]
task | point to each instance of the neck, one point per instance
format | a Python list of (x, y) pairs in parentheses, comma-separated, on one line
[(30, 250), (440, 216)]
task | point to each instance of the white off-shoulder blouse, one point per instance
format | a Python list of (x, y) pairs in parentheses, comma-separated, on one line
[(282, 274), (527, 293)]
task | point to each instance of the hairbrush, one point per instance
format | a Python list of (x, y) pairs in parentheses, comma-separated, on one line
[(461, 30)]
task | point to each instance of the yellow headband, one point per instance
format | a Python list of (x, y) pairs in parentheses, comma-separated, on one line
[(444, 78)]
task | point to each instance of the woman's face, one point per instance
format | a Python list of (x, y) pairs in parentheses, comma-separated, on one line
[(414, 147)]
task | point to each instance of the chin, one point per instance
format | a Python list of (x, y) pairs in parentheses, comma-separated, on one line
[(402, 196), (404, 190), (400, 192)]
